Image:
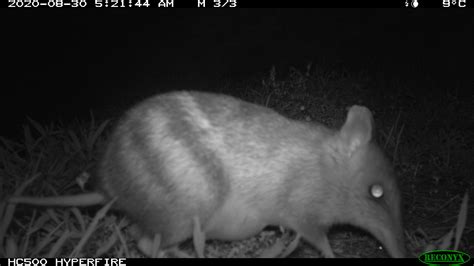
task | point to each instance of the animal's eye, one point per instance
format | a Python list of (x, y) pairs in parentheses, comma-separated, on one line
[(376, 191)]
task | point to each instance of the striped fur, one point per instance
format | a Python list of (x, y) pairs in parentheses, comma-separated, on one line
[(239, 167)]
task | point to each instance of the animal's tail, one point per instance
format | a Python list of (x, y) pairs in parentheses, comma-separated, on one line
[(86, 199)]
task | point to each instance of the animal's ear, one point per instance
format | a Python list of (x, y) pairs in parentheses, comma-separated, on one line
[(357, 130)]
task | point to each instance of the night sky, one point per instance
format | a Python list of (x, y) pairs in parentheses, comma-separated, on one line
[(58, 64)]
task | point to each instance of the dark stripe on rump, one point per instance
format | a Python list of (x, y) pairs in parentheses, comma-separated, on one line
[(184, 129)]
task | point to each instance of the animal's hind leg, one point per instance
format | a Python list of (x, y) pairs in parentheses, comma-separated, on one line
[(150, 247)]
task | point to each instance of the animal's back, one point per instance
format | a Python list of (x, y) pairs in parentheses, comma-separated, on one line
[(190, 153)]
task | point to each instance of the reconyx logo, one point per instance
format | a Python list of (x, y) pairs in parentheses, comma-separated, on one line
[(444, 257)]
